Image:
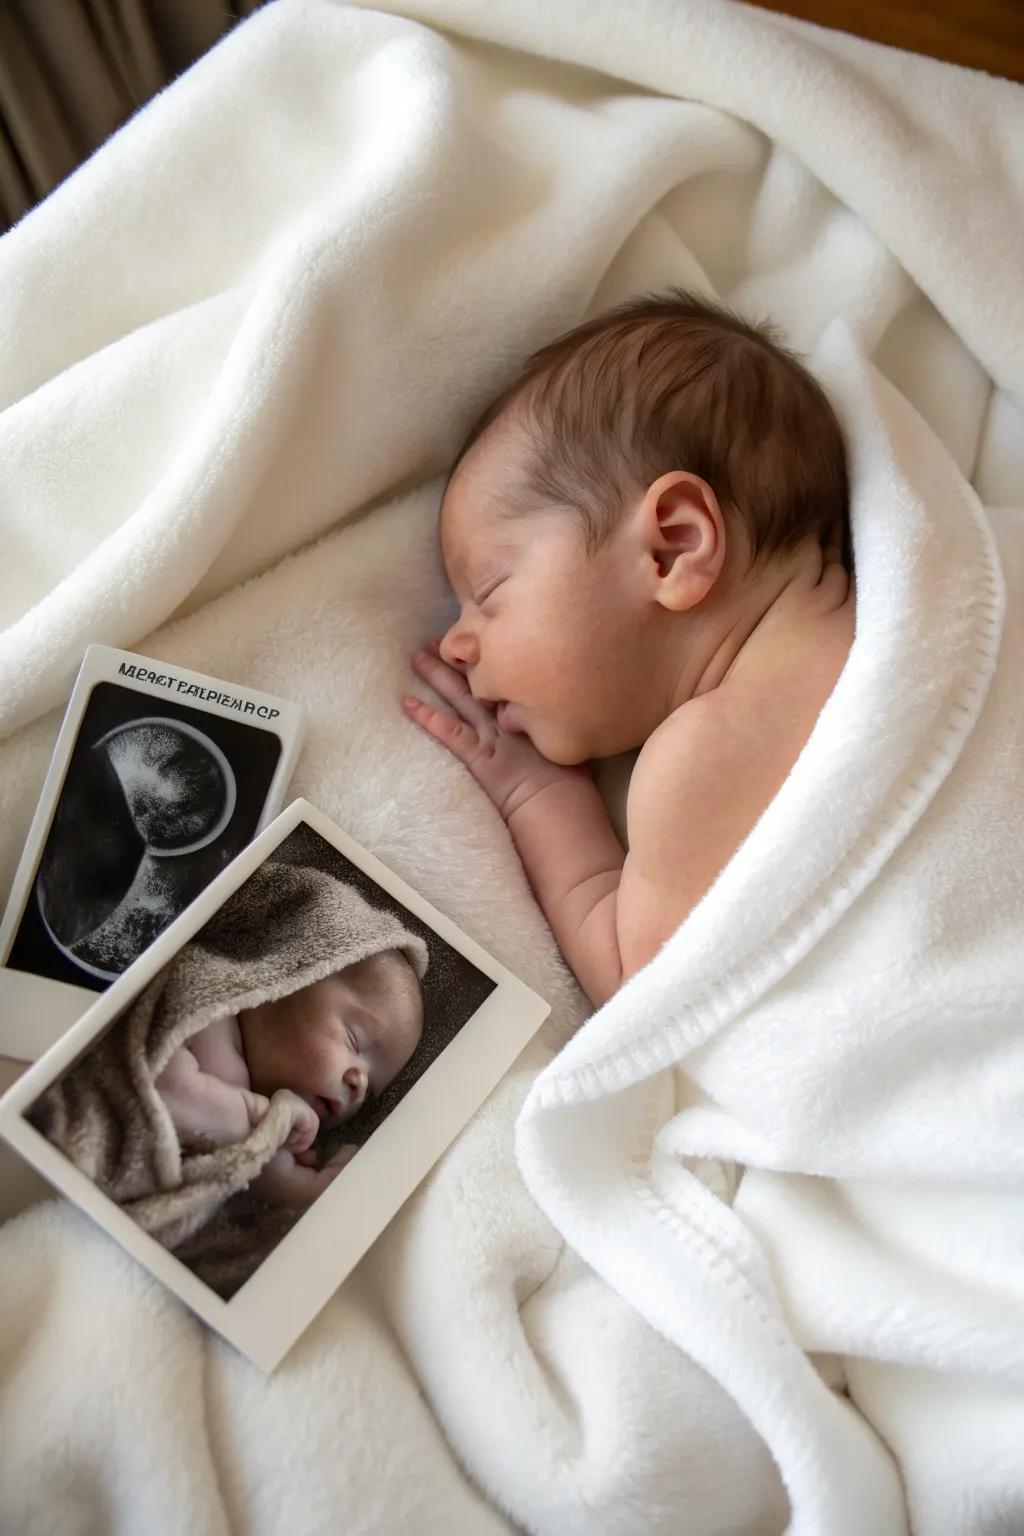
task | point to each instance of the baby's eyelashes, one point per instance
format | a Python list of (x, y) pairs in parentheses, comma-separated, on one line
[(487, 591)]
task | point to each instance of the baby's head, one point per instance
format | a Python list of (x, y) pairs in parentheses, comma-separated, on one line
[(338, 1041), (630, 496)]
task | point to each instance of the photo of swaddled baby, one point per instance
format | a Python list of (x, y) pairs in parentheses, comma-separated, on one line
[(249, 1072)]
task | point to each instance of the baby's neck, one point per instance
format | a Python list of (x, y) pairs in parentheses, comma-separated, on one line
[(780, 619)]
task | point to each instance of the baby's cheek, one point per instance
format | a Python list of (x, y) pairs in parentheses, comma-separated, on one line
[(326, 1061)]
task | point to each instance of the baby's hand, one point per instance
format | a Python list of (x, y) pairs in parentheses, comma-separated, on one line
[(505, 764), (305, 1125), (287, 1180)]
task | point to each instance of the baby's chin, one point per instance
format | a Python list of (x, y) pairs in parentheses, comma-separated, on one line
[(563, 753), (560, 748), (573, 749)]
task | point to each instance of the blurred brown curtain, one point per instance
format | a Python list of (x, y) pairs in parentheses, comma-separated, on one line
[(71, 71)]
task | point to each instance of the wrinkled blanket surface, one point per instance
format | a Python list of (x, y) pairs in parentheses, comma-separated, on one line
[(261, 317)]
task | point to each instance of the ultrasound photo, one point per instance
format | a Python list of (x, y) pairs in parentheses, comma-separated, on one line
[(158, 797)]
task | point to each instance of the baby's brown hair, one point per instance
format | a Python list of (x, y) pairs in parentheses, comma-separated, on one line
[(674, 382)]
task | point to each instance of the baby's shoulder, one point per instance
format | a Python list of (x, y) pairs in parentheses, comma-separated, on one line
[(218, 1050), (703, 780), (696, 791), (710, 770), (688, 753)]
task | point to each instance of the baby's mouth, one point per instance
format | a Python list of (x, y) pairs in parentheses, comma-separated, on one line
[(504, 720), (326, 1109)]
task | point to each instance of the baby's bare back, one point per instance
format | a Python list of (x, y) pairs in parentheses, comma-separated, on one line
[(707, 775)]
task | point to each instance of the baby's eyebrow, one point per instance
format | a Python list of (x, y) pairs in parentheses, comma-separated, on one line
[(491, 567)]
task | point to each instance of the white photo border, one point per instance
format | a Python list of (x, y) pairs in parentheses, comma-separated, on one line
[(274, 1306)]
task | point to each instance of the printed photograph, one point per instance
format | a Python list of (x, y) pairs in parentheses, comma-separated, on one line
[(249, 1073), (157, 799)]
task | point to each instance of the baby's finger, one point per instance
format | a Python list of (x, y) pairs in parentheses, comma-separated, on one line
[(304, 1129), (452, 687), (460, 739)]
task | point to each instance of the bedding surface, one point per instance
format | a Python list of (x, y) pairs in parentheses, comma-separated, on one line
[(739, 1252)]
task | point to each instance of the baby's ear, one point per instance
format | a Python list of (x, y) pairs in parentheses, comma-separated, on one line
[(685, 534)]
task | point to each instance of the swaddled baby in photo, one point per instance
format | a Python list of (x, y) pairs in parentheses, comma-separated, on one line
[(331, 1045), (647, 533), (197, 1111)]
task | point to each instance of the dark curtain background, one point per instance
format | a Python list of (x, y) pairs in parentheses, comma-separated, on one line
[(71, 71)]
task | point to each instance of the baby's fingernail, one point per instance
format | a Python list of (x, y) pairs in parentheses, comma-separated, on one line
[(410, 701)]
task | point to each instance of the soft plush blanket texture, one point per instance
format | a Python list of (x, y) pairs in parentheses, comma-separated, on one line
[(240, 346)]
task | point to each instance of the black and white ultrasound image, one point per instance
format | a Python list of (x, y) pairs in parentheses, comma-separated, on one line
[(158, 797)]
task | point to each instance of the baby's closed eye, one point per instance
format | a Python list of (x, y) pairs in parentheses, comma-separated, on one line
[(488, 590)]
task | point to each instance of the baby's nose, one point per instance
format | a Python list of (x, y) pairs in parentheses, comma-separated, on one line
[(459, 646), (355, 1084)]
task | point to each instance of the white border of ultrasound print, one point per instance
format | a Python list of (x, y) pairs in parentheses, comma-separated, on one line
[(35, 1010), (267, 1315)]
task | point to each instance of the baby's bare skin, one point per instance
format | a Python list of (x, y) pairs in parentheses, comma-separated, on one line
[(324, 1046), (663, 639), (207, 1091), (205, 1087)]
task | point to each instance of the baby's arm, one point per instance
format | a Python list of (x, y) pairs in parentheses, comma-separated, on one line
[(206, 1110), (574, 862), (698, 787), (559, 823)]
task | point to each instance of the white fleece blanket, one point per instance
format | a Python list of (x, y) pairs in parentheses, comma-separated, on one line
[(266, 310)]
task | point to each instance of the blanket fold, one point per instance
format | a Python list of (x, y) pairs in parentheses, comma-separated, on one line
[(864, 1029)]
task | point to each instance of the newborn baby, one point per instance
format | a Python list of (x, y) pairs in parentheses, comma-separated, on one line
[(333, 1044), (648, 536)]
